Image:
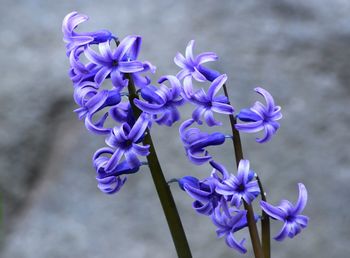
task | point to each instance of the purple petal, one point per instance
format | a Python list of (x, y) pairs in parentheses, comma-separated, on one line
[(180, 60), (198, 76), (270, 103), (222, 108), (189, 51), (102, 74), (283, 233), (139, 128), (113, 161), (209, 118), (125, 45), (216, 85), (250, 127), (130, 66), (105, 50), (273, 211), (269, 130), (302, 200), (206, 57), (95, 58), (131, 158)]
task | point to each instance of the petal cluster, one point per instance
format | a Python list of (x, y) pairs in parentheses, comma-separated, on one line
[(207, 103), (162, 102), (196, 141), (260, 117), (240, 187), (192, 66), (289, 214)]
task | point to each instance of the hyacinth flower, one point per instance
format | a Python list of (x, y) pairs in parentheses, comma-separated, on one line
[(240, 187), (192, 66), (260, 117), (113, 181), (228, 221), (116, 63), (289, 214), (126, 142), (74, 39), (196, 141), (162, 102), (207, 103)]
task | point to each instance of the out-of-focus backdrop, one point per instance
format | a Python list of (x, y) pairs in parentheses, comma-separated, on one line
[(298, 50)]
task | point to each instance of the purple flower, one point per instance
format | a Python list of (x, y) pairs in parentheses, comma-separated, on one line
[(196, 141), (228, 224), (125, 140), (289, 214), (111, 182), (74, 39), (207, 103), (191, 67), (118, 62), (162, 102), (260, 117), (236, 188)]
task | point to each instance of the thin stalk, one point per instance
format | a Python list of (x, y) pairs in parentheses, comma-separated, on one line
[(237, 145), (163, 190), (265, 224)]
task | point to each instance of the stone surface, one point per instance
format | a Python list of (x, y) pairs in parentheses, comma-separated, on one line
[(299, 50)]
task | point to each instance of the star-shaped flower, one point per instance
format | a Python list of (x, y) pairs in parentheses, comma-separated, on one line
[(288, 213)]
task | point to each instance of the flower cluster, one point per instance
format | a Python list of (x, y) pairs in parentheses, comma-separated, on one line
[(102, 86), (221, 195)]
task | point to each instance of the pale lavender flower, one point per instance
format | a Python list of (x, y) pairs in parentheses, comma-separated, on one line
[(162, 102), (260, 117), (191, 66), (240, 187), (229, 221), (289, 214), (207, 103), (116, 63), (74, 39), (196, 141)]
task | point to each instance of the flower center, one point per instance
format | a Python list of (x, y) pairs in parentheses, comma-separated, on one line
[(115, 63)]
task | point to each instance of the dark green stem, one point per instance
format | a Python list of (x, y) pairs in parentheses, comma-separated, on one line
[(237, 145), (265, 224), (163, 190)]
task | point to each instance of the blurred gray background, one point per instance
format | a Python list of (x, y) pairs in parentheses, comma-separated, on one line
[(298, 50)]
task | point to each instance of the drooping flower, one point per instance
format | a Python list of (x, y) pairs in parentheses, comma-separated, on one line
[(260, 117), (116, 63), (229, 221), (207, 103), (288, 213), (242, 186), (196, 141), (111, 182), (203, 191), (74, 39), (162, 102), (125, 140), (192, 66)]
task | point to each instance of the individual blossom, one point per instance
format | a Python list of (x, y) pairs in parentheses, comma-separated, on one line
[(228, 221), (112, 181), (74, 39), (162, 102), (240, 187), (207, 103), (116, 63), (289, 214), (126, 142), (203, 191), (196, 141), (260, 117), (192, 66)]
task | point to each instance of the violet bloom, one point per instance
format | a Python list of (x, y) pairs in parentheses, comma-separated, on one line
[(162, 102), (111, 182), (191, 66), (75, 39), (228, 222), (196, 141), (289, 214), (118, 62), (239, 187), (207, 103), (125, 140), (260, 117)]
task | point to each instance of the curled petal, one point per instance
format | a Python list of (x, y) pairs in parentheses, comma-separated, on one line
[(302, 200)]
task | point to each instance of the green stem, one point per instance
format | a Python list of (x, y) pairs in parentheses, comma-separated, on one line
[(163, 190), (265, 225), (237, 145)]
